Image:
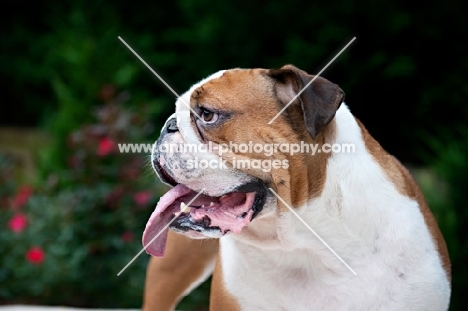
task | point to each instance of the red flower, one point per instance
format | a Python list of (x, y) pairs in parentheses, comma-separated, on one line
[(18, 222), (127, 237), (142, 198), (105, 147), (22, 196), (35, 255)]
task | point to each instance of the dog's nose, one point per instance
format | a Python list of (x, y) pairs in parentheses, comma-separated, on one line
[(171, 126)]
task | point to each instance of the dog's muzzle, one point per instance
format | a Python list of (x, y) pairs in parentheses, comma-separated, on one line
[(207, 216)]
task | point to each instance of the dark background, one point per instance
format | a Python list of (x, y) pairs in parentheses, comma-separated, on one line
[(404, 76)]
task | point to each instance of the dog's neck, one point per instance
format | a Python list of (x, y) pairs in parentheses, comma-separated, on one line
[(277, 228)]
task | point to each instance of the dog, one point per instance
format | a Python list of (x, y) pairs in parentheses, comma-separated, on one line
[(323, 231)]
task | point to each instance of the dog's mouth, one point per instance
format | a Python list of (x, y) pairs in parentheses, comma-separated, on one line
[(211, 216)]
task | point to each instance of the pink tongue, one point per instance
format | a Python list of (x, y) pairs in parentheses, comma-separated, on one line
[(157, 224)]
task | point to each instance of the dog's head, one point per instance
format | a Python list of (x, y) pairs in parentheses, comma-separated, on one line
[(220, 151)]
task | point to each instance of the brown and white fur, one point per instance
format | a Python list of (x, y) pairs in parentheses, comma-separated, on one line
[(365, 205)]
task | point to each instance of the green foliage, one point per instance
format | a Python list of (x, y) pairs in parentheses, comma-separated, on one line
[(57, 56), (447, 198), (81, 58), (87, 219)]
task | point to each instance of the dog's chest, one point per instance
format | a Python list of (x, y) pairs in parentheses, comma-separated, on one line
[(275, 281), (310, 277)]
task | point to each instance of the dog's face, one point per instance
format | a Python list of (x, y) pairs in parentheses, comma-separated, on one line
[(215, 161)]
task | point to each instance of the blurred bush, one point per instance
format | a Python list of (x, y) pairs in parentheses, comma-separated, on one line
[(82, 56), (447, 195), (55, 56), (67, 238)]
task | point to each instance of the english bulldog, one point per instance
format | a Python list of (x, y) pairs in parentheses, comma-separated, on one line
[(256, 226)]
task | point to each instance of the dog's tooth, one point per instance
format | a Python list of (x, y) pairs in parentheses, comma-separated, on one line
[(211, 203), (223, 196), (183, 206)]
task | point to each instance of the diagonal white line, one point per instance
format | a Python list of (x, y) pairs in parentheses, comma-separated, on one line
[(161, 79), (312, 230), (308, 84), (159, 233)]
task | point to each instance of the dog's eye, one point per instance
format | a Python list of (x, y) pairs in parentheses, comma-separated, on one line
[(209, 116)]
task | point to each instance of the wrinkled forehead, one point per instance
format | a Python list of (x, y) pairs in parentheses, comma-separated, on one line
[(183, 102), (234, 86), (231, 89)]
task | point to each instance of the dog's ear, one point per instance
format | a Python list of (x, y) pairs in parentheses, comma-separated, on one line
[(319, 101)]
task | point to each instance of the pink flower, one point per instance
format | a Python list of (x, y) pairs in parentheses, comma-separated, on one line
[(127, 237), (22, 196), (35, 255), (105, 147), (142, 198), (18, 222)]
